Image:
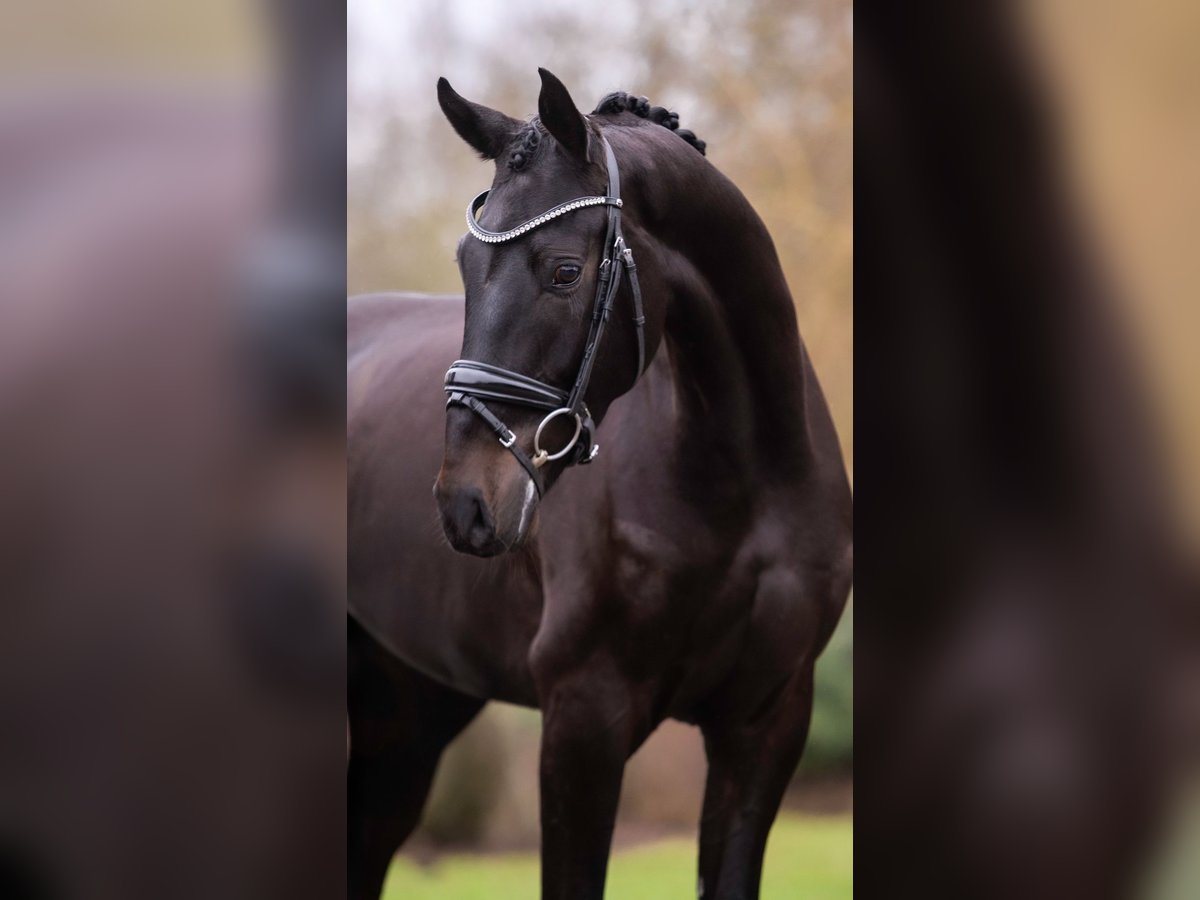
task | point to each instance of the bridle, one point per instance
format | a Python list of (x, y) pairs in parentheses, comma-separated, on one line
[(469, 383)]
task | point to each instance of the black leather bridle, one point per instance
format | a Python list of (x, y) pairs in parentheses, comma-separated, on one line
[(470, 383)]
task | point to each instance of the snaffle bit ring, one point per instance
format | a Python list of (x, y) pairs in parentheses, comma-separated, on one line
[(540, 456)]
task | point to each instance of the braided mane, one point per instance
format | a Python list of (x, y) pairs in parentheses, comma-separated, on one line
[(620, 101), (525, 142)]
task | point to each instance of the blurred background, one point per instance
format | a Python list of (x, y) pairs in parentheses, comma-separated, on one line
[(767, 84), (1118, 81), (1027, 456), (172, 450)]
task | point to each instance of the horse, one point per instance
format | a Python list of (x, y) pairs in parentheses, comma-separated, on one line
[(651, 522)]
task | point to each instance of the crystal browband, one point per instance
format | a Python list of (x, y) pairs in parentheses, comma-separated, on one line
[(497, 237)]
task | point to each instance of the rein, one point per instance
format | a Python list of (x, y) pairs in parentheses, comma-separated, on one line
[(469, 383)]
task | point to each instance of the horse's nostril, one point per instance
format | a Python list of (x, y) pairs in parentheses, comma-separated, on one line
[(480, 529), (469, 522)]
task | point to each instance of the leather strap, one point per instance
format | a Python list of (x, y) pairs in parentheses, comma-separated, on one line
[(496, 383), (639, 316), (606, 292), (506, 436)]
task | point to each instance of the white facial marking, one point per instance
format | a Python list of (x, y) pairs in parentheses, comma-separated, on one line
[(530, 493)]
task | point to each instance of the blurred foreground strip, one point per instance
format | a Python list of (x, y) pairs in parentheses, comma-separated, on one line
[(172, 461), (1026, 609)]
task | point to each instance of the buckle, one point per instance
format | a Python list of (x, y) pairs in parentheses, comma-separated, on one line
[(587, 449)]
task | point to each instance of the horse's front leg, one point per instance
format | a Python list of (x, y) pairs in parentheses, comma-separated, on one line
[(749, 767), (592, 723)]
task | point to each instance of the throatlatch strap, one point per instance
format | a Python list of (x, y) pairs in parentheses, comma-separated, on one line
[(639, 317)]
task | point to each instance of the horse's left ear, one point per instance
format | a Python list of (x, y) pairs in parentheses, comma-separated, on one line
[(487, 130), (558, 113)]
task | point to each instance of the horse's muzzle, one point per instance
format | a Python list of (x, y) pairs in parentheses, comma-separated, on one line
[(468, 521)]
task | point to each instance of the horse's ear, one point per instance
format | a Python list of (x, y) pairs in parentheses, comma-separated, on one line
[(487, 130), (557, 111)]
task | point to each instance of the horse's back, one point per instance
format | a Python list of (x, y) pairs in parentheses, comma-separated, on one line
[(398, 347), (400, 317)]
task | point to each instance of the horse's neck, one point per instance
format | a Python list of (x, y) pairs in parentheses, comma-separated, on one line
[(739, 368)]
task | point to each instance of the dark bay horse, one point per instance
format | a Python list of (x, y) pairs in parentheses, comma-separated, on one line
[(694, 570)]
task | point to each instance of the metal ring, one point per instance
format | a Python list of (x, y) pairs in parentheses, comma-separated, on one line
[(540, 456)]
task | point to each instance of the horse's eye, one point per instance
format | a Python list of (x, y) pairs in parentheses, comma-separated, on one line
[(566, 274)]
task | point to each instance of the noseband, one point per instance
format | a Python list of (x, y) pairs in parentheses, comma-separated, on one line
[(470, 383)]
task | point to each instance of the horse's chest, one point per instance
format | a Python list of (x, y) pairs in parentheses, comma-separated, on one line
[(658, 568), (680, 609)]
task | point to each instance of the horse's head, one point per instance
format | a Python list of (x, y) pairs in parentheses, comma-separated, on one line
[(532, 302)]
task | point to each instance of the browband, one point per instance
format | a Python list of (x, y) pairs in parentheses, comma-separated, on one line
[(499, 237)]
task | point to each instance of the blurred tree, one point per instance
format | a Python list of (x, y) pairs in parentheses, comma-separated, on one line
[(830, 749), (468, 785)]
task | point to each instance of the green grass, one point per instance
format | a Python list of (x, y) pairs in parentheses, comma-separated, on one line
[(807, 857)]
